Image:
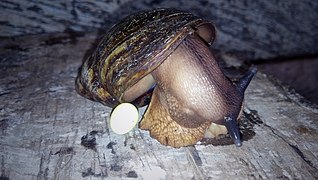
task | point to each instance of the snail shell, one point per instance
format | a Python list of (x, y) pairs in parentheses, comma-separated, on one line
[(132, 49), (162, 56)]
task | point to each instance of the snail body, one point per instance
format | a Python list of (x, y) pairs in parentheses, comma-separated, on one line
[(161, 57)]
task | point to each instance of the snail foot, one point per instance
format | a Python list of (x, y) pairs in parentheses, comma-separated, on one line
[(162, 127)]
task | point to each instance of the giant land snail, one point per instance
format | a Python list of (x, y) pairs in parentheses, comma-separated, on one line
[(162, 57)]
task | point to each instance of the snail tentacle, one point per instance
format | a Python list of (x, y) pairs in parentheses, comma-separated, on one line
[(245, 80), (233, 129)]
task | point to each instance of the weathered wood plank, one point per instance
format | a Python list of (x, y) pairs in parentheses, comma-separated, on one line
[(48, 131), (248, 30)]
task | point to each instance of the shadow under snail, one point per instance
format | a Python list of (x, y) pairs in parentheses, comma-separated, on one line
[(163, 56)]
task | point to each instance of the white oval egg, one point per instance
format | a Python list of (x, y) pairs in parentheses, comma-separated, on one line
[(124, 118)]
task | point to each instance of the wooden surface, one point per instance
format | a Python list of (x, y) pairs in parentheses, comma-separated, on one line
[(47, 131), (249, 30)]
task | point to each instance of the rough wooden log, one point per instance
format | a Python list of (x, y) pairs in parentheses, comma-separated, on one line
[(252, 30), (49, 132)]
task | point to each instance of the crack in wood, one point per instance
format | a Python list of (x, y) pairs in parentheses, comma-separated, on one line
[(3, 170), (195, 161), (295, 149), (89, 172)]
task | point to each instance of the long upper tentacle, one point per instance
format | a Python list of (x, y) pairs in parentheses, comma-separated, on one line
[(245, 80)]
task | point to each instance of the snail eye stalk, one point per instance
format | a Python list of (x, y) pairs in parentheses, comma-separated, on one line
[(245, 80)]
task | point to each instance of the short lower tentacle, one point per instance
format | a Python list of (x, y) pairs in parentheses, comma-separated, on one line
[(233, 129)]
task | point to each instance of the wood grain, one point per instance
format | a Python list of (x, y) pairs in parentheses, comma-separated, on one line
[(247, 30), (47, 131)]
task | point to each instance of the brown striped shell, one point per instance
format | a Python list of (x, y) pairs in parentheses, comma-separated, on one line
[(132, 49)]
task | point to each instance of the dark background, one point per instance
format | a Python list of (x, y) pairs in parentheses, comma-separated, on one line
[(281, 37)]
